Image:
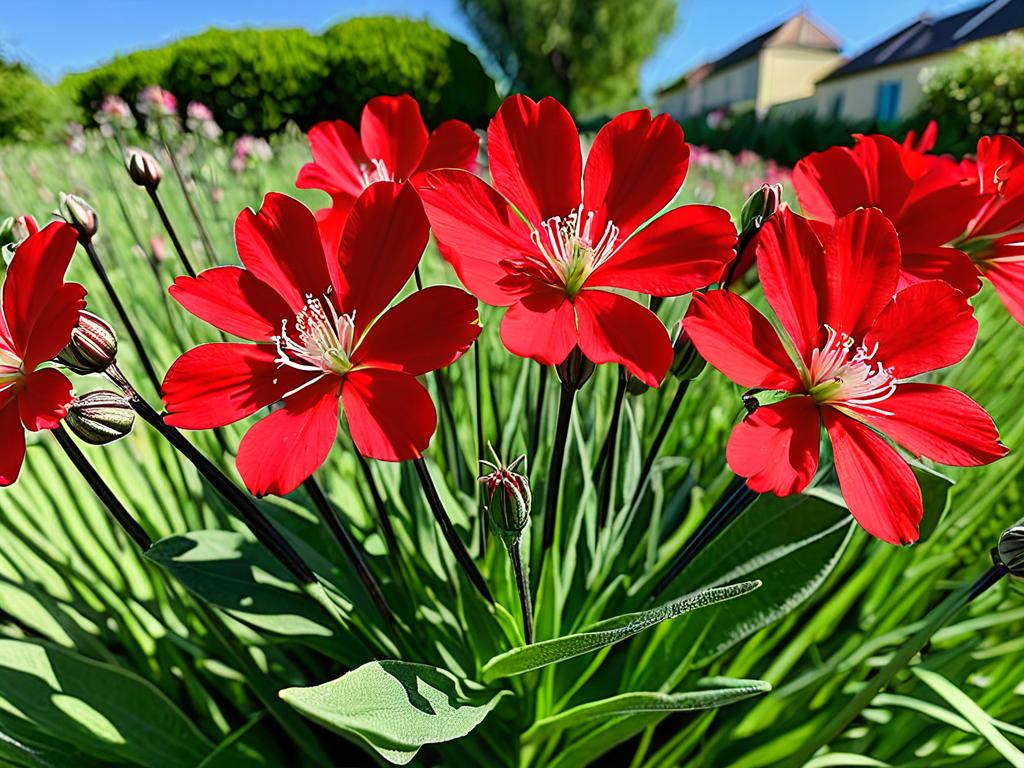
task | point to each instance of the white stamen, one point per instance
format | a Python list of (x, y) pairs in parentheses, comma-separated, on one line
[(843, 375), (379, 172), (568, 250), (324, 339), (10, 369)]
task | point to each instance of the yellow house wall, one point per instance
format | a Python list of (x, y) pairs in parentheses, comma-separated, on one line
[(789, 73), (860, 91)]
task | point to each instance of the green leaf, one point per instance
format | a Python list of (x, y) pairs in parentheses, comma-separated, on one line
[(396, 707), (731, 690), (99, 709), (935, 489), (608, 632), (972, 713)]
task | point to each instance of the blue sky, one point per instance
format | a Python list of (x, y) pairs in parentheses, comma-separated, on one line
[(59, 36)]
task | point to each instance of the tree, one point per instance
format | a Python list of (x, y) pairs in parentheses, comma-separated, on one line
[(586, 53)]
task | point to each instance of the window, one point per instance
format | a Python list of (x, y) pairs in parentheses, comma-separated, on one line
[(887, 108)]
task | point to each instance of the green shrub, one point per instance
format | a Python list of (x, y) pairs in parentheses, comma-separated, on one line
[(123, 76), (979, 91), (29, 109)]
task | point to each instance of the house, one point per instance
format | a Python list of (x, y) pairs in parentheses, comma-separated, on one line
[(779, 65), (885, 82)]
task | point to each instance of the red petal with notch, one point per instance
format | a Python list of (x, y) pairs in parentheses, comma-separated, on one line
[(453, 144), (285, 448), (925, 327), (44, 400), (338, 161), (939, 423), (12, 435), (776, 447), (535, 160), (218, 384), (476, 232), (281, 246), (53, 330), (392, 130), (878, 485), (615, 329), (541, 326), (830, 184), (385, 234), (233, 300), (739, 341), (428, 330), (685, 249), (635, 168), (380, 428)]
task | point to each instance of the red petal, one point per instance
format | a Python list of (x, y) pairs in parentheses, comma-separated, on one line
[(687, 248), (535, 159), (331, 223), (541, 326), (888, 182), (940, 263), (790, 260), (860, 272), (280, 245), (428, 330), (635, 168), (830, 184), (380, 428), (392, 130), (34, 276), (615, 329), (879, 487), (476, 231), (53, 330), (1008, 279), (44, 400), (217, 384), (939, 423), (776, 447), (233, 300), (12, 436), (740, 342), (937, 217), (453, 144), (338, 159), (925, 327), (288, 446), (385, 234)]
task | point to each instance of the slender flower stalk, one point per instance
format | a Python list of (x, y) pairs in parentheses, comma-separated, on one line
[(605, 471), (169, 228), (659, 439), (387, 529), (184, 184), (538, 409)]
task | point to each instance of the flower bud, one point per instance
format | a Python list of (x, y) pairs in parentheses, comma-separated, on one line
[(1010, 550), (635, 386), (143, 169), (760, 206), (100, 417), (575, 370), (79, 214), (686, 360), (93, 345), (509, 499)]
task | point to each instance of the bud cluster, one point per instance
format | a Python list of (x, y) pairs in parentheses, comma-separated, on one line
[(93, 345)]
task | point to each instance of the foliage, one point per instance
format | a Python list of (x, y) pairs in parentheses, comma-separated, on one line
[(585, 53), (29, 109)]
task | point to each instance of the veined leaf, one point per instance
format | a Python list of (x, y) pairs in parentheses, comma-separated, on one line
[(396, 707), (531, 657)]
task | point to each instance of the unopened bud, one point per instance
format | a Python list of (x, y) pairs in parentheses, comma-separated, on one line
[(143, 169), (93, 345), (509, 499), (686, 360), (635, 386), (79, 214), (1010, 551), (100, 417), (575, 370), (760, 206), (15, 230)]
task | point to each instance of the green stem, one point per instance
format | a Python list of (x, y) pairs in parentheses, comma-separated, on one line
[(554, 478)]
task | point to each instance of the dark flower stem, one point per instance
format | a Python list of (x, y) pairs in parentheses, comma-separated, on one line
[(515, 553), (451, 536), (734, 502), (937, 618), (122, 314), (251, 515), (386, 528), (114, 506), (349, 548), (180, 176), (659, 439), (554, 478), (189, 270), (538, 410), (605, 470), (479, 403)]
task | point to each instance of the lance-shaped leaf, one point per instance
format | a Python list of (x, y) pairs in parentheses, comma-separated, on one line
[(396, 707), (607, 632)]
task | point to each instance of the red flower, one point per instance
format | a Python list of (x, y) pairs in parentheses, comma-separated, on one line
[(578, 237), (392, 145), (855, 344), (323, 332), (998, 174), (922, 195), (37, 314)]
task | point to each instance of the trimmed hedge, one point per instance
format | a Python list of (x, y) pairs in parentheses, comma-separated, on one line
[(257, 80)]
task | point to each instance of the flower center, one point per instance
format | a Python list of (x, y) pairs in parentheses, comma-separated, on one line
[(10, 370), (845, 375), (570, 250), (322, 340), (375, 171)]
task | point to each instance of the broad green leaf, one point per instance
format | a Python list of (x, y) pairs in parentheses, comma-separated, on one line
[(396, 707), (649, 701), (608, 632), (97, 708)]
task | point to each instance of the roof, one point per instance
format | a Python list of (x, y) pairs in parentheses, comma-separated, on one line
[(797, 31), (927, 36)]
